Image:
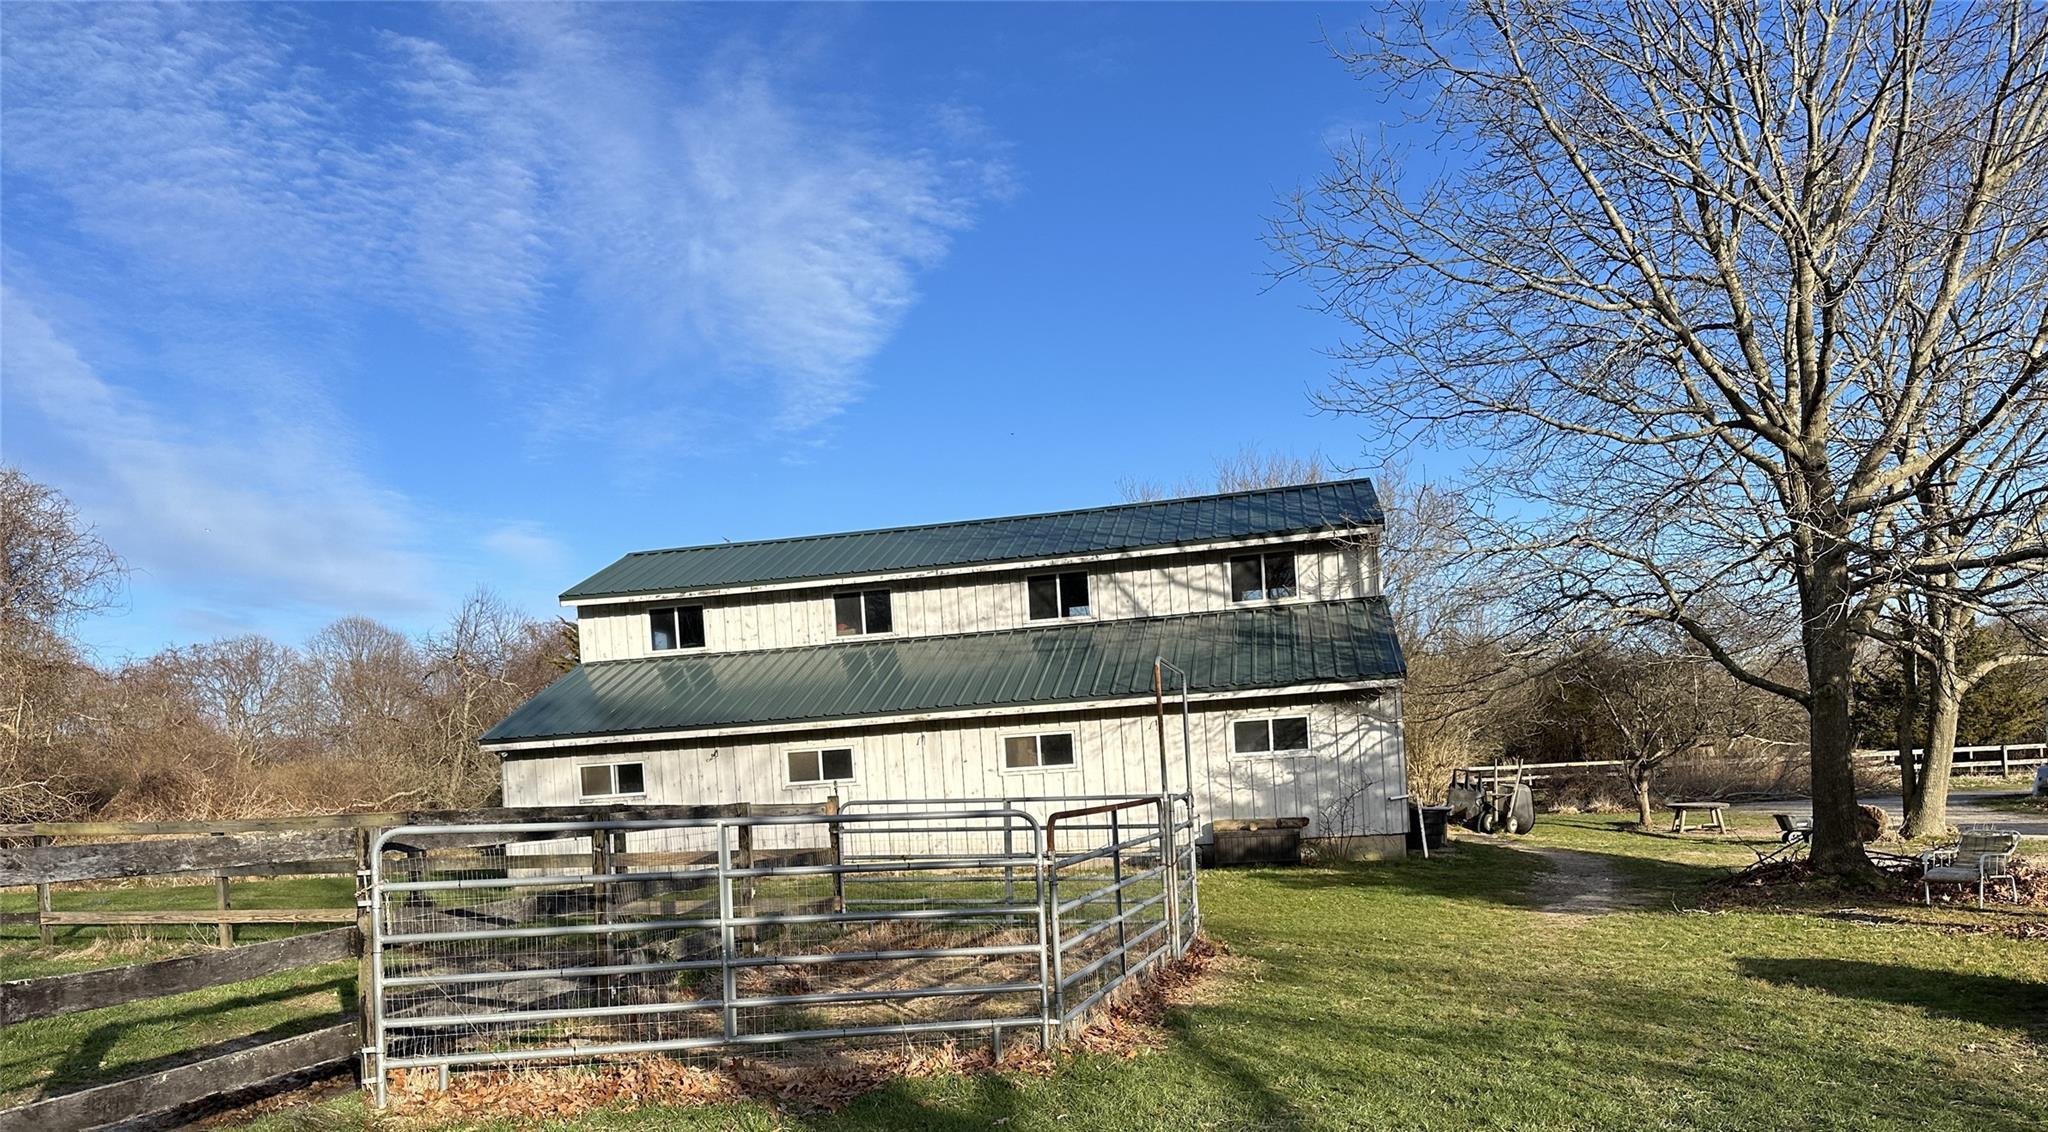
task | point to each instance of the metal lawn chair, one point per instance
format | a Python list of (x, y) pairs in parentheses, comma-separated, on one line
[(1982, 856), (1793, 834)]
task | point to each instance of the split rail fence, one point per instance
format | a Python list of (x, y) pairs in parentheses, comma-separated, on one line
[(2000, 758)]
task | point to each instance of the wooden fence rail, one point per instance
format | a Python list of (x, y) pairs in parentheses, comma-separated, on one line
[(51, 995), (2003, 757), (331, 1048)]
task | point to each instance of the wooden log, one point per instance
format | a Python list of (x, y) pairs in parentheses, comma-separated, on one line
[(53, 863), (23, 999), (387, 819), (170, 1089), (115, 829), (158, 917)]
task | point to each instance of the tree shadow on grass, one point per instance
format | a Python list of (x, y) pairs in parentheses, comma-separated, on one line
[(1472, 872), (1990, 1000), (85, 1065)]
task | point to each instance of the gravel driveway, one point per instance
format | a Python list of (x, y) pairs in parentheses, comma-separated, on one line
[(1965, 808)]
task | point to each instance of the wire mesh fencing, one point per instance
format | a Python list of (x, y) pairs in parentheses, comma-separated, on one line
[(551, 941)]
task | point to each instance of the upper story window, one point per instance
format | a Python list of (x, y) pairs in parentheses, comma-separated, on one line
[(862, 611), (679, 627), (1058, 595), (1256, 577), (1278, 735), (825, 764), (611, 780), (1032, 752)]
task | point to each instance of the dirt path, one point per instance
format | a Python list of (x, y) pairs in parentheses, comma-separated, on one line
[(1577, 883)]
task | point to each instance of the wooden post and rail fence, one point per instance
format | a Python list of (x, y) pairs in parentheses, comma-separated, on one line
[(2001, 759), (46, 855)]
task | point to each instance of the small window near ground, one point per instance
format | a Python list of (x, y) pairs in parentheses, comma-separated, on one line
[(1262, 577), (681, 627), (825, 764), (862, 611), (1279, 735), (611, 780), (1031, 752), (1058, 595)]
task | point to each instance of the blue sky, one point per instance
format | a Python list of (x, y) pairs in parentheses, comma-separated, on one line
[(351, 308)]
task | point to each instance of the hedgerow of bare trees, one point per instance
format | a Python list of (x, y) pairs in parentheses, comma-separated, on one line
[(1716, 293), (361, 716)]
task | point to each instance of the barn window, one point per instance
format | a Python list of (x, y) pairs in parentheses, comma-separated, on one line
[(678, 627), (1058, 595), (1278, 735), (1033, 752), (611, 780), (862, 611), (1259, 577), (824, 764)]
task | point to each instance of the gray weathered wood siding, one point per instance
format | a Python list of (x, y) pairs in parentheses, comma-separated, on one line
[(967, 603), (1346, 785)]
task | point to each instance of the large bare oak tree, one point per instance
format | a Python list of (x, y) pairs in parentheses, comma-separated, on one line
[(1701, 284)]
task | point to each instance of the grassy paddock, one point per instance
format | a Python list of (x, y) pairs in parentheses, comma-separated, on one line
[(66, 1052), (1436, 995)]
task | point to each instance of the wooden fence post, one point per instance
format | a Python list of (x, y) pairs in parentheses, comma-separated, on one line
[(2004, 760), (838, 878), (220, 900), (601, 905), (45, 931), (367, 959), (750, 889)]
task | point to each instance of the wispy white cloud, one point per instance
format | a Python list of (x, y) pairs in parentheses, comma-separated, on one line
[(721, 227), (527, 545), (243, 504), (215, 210)]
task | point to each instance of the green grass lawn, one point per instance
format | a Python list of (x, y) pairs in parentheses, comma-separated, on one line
[(1434, 995), (62, 1053)]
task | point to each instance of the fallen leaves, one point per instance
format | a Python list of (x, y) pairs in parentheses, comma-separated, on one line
[(802, 1081)]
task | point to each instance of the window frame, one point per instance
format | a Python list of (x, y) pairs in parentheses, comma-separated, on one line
[(1038, 751), (676, 629), (1059, 595), (1307, 726), (612, 768), (852, 766), (1261, 557), (863, 594)]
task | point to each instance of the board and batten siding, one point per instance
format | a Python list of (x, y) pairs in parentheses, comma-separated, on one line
[(971, 603), (1347, 785)]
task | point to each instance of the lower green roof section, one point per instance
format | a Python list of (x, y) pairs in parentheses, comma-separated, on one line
[(1243, 649)]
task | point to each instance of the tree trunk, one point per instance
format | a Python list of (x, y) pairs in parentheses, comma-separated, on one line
[(1906, 727), (1829, 641), (1641, 781), (1927, 807)]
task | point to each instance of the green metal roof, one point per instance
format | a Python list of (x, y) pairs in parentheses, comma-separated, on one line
[(1239, 649), (1304, 509)]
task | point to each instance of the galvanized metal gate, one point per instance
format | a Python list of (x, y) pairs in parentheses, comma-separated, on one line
[(547, 941)]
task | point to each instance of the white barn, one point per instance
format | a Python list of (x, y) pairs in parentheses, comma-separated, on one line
[(991, 659)]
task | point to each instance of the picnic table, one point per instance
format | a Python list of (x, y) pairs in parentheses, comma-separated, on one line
[(1713, 810)]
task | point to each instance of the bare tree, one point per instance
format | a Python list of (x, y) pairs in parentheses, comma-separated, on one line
[(1654, 701), (1249, 469), (1689, 281), (53, 570), (251, 688), (1972, 602)]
